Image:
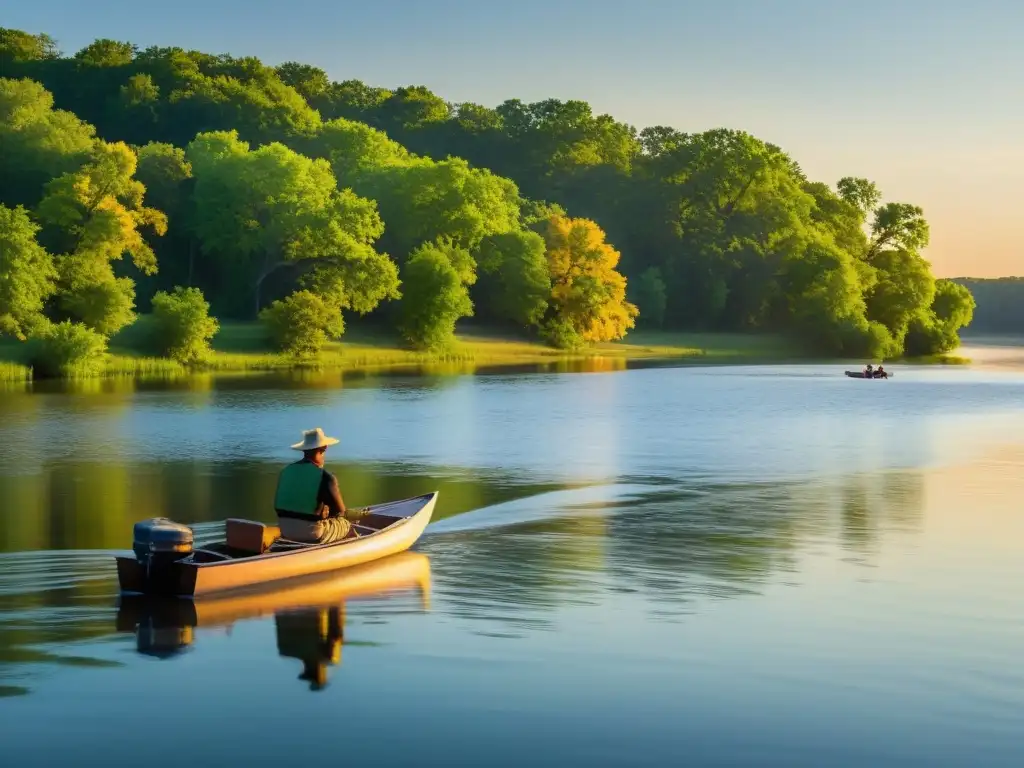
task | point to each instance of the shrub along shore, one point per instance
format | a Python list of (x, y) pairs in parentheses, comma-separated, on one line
[(246, 348)]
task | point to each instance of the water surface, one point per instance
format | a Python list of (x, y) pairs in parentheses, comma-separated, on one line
[(769, 565)]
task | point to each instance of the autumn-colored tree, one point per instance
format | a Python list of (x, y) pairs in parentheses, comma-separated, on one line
[(93, 217), (588, 296)]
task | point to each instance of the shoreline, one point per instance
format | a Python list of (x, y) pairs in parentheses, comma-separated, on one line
[(241, 350), (242, 354)]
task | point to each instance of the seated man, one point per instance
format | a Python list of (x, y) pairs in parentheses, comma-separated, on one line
[(869, 372), (880, 373), (308, 503)]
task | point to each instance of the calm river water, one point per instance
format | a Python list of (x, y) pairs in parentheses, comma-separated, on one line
[(660, 566)]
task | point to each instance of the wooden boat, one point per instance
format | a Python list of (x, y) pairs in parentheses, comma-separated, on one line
[(861, 375), (253, 553), (164, 625)]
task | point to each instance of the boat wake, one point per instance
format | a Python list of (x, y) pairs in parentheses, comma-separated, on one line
[(596, 500)]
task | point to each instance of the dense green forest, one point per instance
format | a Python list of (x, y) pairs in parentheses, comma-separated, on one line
[(1000, 302), (244, 191)]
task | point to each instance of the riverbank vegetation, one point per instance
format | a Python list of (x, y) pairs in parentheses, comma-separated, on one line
[(249, 347), (204, 190)]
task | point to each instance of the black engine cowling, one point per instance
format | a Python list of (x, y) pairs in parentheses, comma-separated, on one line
[(159, 541)]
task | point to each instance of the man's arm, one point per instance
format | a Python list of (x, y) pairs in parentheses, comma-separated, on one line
[(332, 496), (334, 501)]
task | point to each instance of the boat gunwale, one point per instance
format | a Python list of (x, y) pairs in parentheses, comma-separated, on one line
[(315, 548)]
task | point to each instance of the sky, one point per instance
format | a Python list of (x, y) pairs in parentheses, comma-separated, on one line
[(924, 97)]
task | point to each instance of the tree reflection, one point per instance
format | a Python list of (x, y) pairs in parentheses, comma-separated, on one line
[(671, 546), (871, 504), (94, 504)]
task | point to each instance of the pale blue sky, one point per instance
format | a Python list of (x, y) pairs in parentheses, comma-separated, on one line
[(926, 97)]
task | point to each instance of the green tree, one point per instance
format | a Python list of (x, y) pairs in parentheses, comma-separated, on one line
[(302, 323), (259, 108), (309, 81), (900, 227), (435, 296), (650, 297), (136, 109), (18, 46), (107, 53), (935, 330), (424, 200), (514, 282), (904, 288), (167, 177), (38, 142), (825, 302), (860, 193), (261, 211), (953, 304), (68, 350), (27, 274), (351, 99), (356, 151), (183, 326)]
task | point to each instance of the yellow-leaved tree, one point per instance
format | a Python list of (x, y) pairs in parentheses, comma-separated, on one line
[(93, 217), (588, 296)]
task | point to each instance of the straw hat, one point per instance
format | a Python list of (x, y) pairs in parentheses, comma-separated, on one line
[(313, 439)]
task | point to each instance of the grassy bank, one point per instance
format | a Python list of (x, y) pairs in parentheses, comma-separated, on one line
[(244, 347)]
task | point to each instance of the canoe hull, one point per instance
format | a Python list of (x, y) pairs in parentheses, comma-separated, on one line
[(191, 579), (401, 572), (860, 375)]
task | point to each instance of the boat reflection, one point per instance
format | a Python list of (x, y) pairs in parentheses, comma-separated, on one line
[(309, 614)]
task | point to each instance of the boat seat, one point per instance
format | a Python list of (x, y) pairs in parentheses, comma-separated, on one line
[(250, 535)]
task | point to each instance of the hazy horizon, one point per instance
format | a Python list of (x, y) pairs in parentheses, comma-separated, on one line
[(917, 96)]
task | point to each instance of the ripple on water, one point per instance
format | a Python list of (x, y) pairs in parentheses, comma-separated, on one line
[(23, 573)]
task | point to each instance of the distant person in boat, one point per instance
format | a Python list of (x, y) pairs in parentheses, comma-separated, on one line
[(880, 373), (307, 500), (869, 372)]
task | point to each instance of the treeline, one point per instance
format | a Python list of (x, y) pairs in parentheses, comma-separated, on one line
[(1000, 302), (276, 193)]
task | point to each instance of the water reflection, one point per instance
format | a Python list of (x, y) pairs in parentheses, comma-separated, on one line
[(429, 375), (668, 545), (309, 615), (744, 561), (89, 504)]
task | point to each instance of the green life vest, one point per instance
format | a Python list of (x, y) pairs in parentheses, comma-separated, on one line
[(298, 491)]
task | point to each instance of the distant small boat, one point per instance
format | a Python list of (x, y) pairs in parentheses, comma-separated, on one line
[(165, 562), (862, 375)]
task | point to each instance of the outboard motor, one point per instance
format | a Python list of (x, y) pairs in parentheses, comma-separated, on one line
[(158, 542)]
